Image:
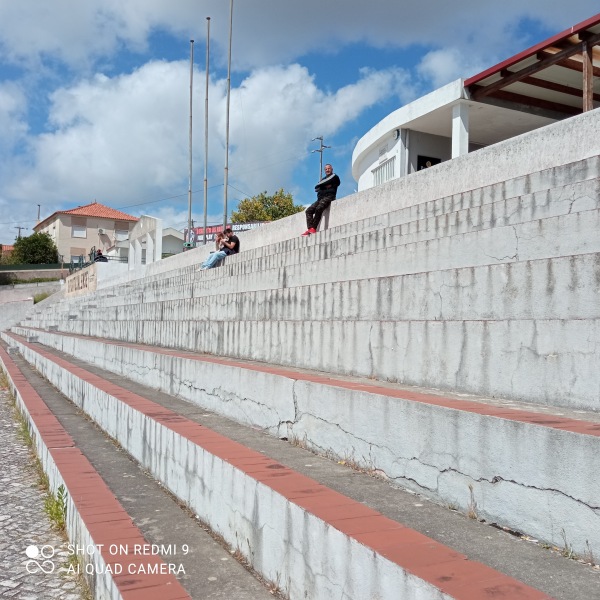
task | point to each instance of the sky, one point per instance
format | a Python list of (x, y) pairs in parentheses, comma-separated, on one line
[(94, 95)]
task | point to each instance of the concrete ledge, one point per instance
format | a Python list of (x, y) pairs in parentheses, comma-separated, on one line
[(95, 519), (554, 288), (541, 482), (546, 362), (315, 542)]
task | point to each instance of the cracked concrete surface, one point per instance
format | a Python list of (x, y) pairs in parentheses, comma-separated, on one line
[(422, 447)]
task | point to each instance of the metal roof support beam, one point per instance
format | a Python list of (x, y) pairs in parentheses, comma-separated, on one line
[(588, 76)]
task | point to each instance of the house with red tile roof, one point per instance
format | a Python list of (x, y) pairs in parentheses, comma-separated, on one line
[(76, 231), (6, 249)]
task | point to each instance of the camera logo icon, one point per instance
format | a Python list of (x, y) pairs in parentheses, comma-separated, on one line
[(40, 559)]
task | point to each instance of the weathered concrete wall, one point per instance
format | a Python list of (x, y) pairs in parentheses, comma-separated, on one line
[(532, 478), (93, 277), (13, 312), (22, 291), (281, 540)]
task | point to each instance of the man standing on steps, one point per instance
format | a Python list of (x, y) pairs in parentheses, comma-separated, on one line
[(326, 191)]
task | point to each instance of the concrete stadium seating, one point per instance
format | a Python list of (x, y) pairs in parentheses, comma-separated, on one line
[(449, 345)]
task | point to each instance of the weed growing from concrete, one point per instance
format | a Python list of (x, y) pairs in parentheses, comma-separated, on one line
[(56, 507), (567, 550), (588, 556), (472, 510)]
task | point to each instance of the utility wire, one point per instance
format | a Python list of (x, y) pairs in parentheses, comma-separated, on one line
[(165, 199)]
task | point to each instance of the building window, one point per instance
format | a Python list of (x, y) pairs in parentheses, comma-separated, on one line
[(121, 235), (77, 254), (385, 171), (78, 228)]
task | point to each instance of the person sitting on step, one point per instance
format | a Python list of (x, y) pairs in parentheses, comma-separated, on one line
[(228, 244), (326, 191)]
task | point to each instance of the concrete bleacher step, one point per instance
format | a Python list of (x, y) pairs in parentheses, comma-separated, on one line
[(575, 188), (467, 221), (528, 468), (122, 506), (555, 191), (555, 288), (516, 330), (392, 259), (530, 241), (316, 529)]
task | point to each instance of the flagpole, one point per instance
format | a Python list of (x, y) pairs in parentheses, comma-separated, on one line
[(206, 128), (226, 183), (189, 240)]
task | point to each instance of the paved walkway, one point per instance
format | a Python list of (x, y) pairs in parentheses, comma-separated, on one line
[(24, 526)]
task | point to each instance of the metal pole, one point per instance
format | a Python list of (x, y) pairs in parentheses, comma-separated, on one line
[(190, 143), (227, 117), (320, 151), (206, 128)]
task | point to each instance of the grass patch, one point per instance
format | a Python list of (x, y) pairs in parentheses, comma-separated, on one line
[(11, 279), (41, 296)]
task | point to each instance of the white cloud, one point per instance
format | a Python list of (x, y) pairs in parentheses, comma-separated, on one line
[(442, 66), (13, 107), (76, 32), (124, 140)]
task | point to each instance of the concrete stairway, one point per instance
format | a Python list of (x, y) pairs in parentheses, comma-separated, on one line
[(518, 288), (310, 527), (484, 300)]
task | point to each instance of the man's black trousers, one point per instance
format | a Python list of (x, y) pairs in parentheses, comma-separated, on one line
[(315, 211)]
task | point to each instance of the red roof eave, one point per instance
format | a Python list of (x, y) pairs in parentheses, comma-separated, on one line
[(509, 62)]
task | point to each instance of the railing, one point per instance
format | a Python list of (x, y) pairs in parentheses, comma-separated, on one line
[(80, 263)]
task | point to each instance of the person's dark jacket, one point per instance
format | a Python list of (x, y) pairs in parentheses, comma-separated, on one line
[(327, 187), (233, 239)]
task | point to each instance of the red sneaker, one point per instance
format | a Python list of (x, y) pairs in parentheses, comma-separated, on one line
[(308, 232)]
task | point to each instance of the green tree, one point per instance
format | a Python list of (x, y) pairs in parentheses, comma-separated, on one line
[(266, 208), (35, 249)]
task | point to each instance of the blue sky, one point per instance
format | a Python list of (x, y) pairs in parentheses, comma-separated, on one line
[(94, 95)]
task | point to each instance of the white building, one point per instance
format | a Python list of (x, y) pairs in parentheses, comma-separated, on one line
[(553, 80), (76, 231)]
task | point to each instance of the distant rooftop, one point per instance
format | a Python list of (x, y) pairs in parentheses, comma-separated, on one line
[(94, 209)]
